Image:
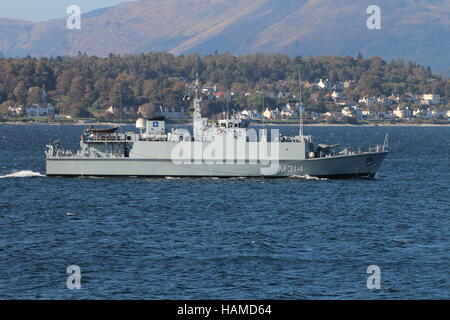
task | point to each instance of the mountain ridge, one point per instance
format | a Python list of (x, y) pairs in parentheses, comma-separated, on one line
[(411, 29)]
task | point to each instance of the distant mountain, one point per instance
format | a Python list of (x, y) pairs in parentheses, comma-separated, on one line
[(415, 30)]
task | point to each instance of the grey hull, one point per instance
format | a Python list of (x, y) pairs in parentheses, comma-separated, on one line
[(350, 166)]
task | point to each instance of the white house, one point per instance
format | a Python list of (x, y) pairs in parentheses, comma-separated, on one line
[(272, 114), (338, 96), (111, 110), (431, 99), (123, 110), (422, 113), (352, 112), (348, 84), (368, 101), (252, 114), (288, 111), (347, 112), (323, 84), (267, 113), (244, 114), (403, 113), (15, 110)]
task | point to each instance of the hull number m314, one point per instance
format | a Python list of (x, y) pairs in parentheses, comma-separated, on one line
[(291, 169)]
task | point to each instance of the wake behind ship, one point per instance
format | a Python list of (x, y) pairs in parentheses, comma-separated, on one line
[(227, 148)]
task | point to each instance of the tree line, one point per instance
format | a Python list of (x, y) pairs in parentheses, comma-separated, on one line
[(85, 84)]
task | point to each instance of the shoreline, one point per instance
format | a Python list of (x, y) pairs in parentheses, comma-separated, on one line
[(351, 125), (267, 124)]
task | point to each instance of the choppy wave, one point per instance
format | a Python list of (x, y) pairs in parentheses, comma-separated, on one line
[(307, 177), (22, 174)]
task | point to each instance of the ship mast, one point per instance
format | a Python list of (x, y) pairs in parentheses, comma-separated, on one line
[(198, 122), (197, 99), (300, 110)]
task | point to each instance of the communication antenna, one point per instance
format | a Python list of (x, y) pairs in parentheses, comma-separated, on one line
[(226, 92), (197, 84)]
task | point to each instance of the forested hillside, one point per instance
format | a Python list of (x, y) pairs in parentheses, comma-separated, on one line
[(84, 84)]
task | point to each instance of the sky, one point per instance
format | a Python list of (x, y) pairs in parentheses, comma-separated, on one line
[(41, 10)]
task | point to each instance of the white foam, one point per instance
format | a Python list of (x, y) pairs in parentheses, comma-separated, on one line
[(307, 177), (22, 174)]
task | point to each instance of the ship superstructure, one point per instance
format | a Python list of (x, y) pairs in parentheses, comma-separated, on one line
[(225, 148)]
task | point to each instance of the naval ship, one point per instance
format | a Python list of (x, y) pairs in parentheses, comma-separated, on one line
[(226, 148)]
